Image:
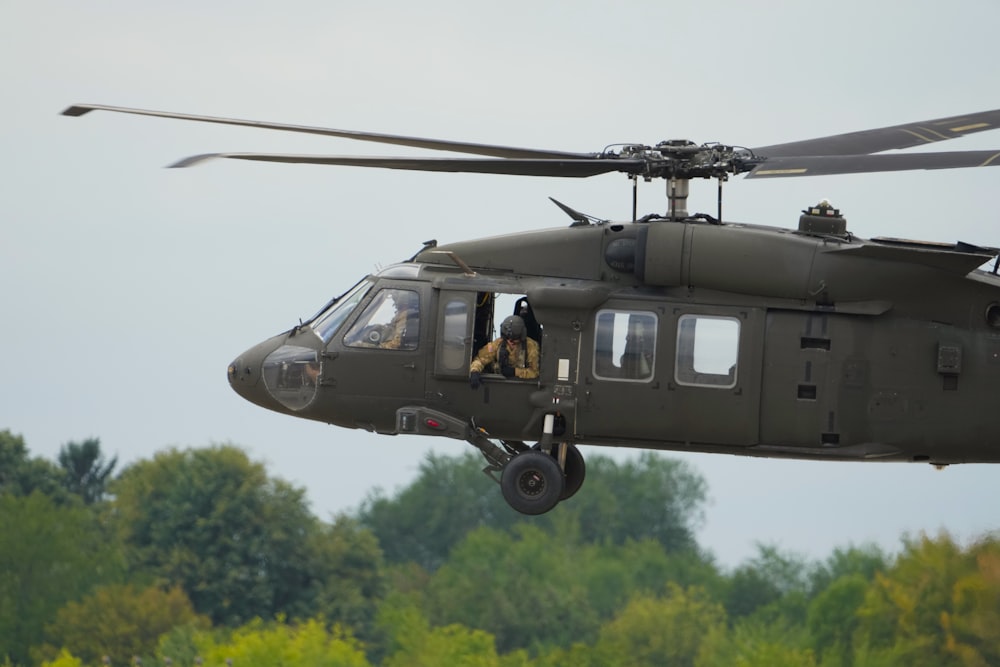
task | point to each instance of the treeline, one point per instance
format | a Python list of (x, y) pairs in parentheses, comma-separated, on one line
[(199, 557)]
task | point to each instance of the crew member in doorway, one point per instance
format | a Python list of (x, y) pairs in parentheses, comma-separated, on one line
[(511, 355)]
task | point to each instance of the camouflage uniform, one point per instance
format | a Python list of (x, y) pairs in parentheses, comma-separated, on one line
[(397, 328), (523, 357)]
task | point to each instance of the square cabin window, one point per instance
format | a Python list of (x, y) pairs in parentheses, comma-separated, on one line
[(625, 345), (707, 351)]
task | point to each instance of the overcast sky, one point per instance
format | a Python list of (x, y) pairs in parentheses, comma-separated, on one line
[(126, 288)]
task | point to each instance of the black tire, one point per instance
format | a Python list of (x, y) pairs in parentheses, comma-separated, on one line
[(532, 482), (576, 472)]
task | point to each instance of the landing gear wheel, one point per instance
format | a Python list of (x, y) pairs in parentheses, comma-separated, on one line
[(576, 472), (532, 482)]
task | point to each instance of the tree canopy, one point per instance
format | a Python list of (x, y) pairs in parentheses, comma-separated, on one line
[(652, 497), (199, 557), (236, 541)]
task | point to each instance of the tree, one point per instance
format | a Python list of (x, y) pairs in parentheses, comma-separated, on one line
[(421, 524), (770, 577), (86, 472), (612, 574), (937, 605), (305, 644), (757, 642), (649, 498), (21, 475), (120, 621), (832, 618), (49, 554), (972, 629), (414, 643), (212, 521), (667, 630), (865, 560), (523, 589), (349, 575)]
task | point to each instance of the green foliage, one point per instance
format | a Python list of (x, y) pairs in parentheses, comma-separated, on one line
[(769, 578), (611, 577), (120, 622), (414, 643), (86, 473), (349, 577), (49, 554), (667, 630), (614, 573), (449, 498), (523, 589), (757, 642), (213, 522), (865, 561), (833, 617), (22, 476), (936, 606), (306, 644), (649, 498), (63, 659)]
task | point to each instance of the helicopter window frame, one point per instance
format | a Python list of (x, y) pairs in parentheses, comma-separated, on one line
[(390, 321), (327, 322), (456, 310), (702, 353), (625, 345)]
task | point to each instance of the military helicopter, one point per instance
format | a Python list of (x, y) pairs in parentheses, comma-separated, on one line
[(668, 331)]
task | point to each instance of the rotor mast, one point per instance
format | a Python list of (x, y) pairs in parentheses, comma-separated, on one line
[(678, 161), (677, 195)]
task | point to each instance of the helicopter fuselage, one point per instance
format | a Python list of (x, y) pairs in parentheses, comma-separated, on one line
[(673, 335)]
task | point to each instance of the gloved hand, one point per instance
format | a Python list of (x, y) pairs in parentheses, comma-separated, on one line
[(474, 379), (507, 371)]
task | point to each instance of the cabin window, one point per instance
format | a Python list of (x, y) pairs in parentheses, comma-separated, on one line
[(625, 345), (390, 322), (707, 351)]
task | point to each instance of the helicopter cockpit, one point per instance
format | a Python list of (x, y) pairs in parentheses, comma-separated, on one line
[(327, 321)]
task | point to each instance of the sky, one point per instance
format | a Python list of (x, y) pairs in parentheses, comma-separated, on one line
[(127, 288)]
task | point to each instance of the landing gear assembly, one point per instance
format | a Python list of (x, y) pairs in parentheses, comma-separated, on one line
[(532, 480)]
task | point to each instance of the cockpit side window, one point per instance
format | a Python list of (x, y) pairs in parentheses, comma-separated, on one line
[(327, 322), (390, 322)]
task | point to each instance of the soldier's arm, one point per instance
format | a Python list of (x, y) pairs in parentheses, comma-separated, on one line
[(485, 357)]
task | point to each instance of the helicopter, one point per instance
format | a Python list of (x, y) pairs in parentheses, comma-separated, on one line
[(668, 331)]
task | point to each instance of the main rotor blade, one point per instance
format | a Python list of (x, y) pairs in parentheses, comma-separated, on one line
[(415, 142), (579, 168), (887, 138), (821, 165)]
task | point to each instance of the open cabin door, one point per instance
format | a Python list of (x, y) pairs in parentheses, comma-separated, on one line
[(466, 321), (667, 373)]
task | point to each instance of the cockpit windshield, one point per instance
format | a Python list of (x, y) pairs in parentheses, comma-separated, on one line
[(326, 323)]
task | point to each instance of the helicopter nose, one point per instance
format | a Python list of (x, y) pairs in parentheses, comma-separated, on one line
[(245, 373), (276, 374)]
